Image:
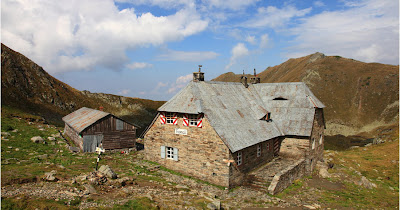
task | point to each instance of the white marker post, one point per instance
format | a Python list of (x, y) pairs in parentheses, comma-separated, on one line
[(99, 150)]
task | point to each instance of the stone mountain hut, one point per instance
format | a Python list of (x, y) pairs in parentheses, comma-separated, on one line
[(221, 131), (89, 128)]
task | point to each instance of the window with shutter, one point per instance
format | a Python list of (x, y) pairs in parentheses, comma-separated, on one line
[(162, 117), (119, 124), (162, 152), (176, 154)]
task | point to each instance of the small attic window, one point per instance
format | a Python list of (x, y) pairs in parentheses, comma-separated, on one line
[(267, 117), (279, 99)]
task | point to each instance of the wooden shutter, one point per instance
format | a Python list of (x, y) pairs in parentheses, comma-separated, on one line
[(185, 120), (200, 120), (163, 152), (162, 117), (175, 154), (175, 119)]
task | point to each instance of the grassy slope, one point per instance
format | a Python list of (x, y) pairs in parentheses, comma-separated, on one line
[(27, 86), (358, 96)]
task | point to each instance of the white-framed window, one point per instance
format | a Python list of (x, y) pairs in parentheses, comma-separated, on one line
[(193, 120), (169, 153), (320, 139), (258, 150), (239, 158), (169, 118), (313, 143)]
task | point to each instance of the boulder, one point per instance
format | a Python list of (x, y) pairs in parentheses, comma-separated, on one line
[(366, 183), (73, 149), (322, 168), (106, 170), (5, 134), (49, 176), (89, 189), (42, 157), (51, 138), (37, 139)]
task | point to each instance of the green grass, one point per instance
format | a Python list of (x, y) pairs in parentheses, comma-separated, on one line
[(25, 202), (142, 203)]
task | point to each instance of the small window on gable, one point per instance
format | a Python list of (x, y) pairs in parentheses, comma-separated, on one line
[(239, 158), (193, 120), (279, 99), (267, 117)]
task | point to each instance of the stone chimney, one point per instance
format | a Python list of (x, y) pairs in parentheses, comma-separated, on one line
[(243, 80), (255, 79), (198, 76), (101, 108)]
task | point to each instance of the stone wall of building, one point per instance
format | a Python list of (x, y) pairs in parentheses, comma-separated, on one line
[(316, 151), (286, 177), (250, 161), (201, 153), (73, 135)]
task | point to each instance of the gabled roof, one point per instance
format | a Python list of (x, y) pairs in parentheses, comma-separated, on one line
[(82, 118), (235, 111)]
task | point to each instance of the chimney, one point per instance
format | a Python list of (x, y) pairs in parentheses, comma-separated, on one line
[(255, 79), (198, 76), (101, 108), (243, 80)]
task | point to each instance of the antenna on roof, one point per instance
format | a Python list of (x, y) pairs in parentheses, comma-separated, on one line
[(243, 72), (200, 67)]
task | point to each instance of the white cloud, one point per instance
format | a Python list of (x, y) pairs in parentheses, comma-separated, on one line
[(238, 51), (264, 41), (172, 55), (251, 39), (319, 3), (180, 82), (366, 31), (138, 65), (160, 3), (231, 4), (274, 17), (74, 35), (124, 92)]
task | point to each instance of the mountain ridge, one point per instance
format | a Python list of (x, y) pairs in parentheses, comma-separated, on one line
[(28, 87), (358, 100)]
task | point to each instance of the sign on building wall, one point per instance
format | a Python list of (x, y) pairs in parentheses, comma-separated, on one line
[(180, 131)]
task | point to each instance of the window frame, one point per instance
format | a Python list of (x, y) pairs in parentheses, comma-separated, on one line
[(239, 158), (193, 120), (169, 118), (119, 125), (259, 150), (169, 153)]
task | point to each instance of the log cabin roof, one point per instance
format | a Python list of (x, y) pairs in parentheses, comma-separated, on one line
[(236, 112), (82, 118)]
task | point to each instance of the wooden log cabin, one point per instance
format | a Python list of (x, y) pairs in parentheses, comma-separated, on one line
[(90, 128)]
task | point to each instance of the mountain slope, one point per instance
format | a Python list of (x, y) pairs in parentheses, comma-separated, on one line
[(26, 86), (359, 97)]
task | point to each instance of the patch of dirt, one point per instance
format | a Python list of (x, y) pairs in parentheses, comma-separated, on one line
[(320, 183)]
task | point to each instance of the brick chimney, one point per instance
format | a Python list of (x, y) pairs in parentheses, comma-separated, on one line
[(101, 108), (255, 79), (198, 76)]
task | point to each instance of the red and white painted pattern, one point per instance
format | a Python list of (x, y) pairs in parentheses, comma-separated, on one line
[(200, 121), (185, 120), (175, 119), (162, 118)]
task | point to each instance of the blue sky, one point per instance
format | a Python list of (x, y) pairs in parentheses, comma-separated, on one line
[(149, 48)]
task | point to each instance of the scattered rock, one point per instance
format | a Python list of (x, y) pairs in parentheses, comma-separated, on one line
[(51, 138), (5, 134), (73, 149), (81, 177), (49, 176), (212, 206), (15, 130), (60, 166), (42, 157), (322, 168), (57, 135), (16, 149), (179, 186), (123, 181), (89, 189), (37, 139), (366, 183), (367, 145), (106, 170)]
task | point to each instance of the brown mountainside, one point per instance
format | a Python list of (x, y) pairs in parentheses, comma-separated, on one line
[(26, 86), (359, 97)]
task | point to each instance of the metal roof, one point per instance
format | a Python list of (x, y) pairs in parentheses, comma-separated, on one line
[(235, 112), (83, 118)]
